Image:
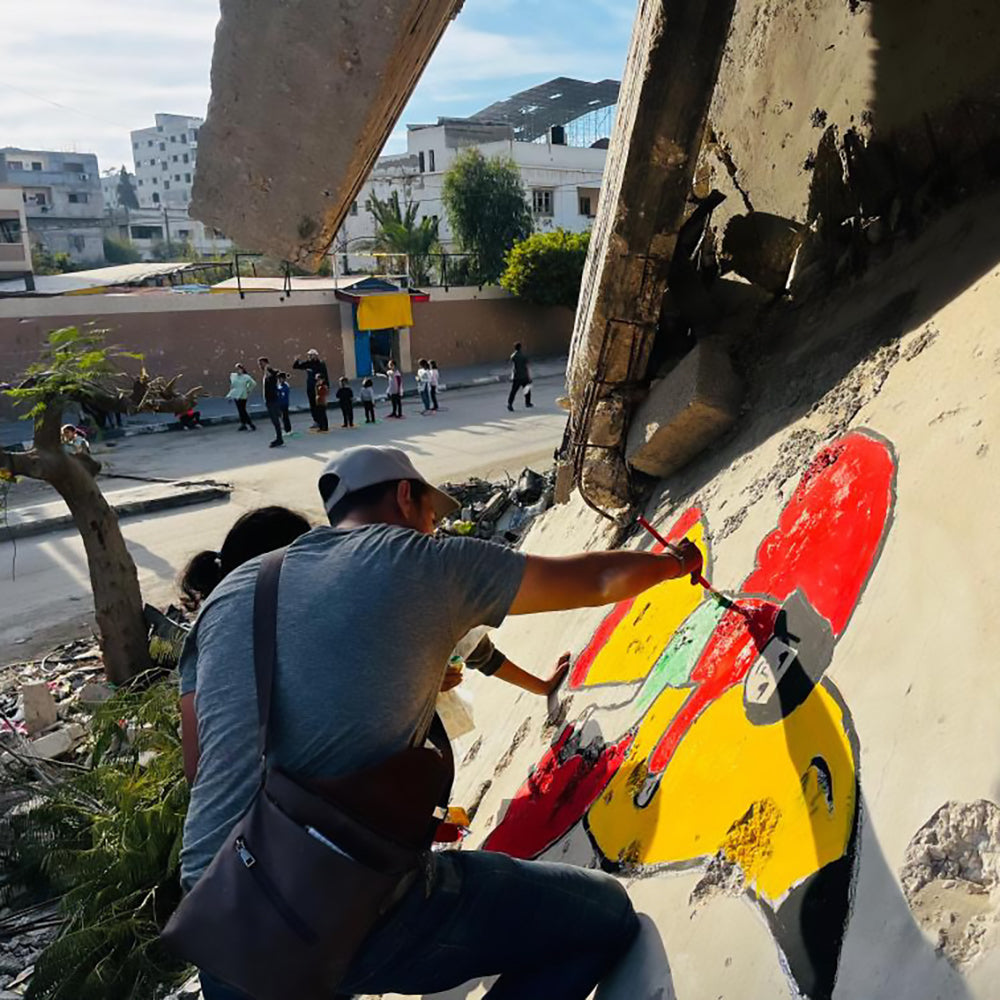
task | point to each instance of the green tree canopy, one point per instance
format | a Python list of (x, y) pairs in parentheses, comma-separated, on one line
[(398, 231), (486, 207), (127, 197), (547, 268)]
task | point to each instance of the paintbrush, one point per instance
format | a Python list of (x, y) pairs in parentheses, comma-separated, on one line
[(696, 578)]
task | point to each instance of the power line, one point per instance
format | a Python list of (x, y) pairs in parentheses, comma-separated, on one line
[(64, 107)]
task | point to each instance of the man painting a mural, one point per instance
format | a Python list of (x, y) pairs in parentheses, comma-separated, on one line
[(343, 703)]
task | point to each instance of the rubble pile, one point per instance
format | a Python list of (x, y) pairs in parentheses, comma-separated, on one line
[(499, 511)]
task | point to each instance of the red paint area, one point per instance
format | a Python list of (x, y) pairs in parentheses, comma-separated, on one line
[(730, 653), (829, 533), (555, 796), (581, 668)]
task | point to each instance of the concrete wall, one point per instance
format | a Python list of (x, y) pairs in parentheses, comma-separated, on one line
[(202, 336), (802, 793)]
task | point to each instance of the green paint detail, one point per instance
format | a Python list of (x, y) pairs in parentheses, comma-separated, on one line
[(673, 668)]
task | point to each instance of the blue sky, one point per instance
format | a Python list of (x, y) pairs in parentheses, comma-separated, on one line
[(79, 75)]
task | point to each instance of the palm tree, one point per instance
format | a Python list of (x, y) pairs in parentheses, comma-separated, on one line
[(397, 231)]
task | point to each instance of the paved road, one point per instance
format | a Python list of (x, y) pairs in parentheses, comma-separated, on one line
[(474, 434)]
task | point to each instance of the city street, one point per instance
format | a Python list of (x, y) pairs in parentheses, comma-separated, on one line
[(44, 580)]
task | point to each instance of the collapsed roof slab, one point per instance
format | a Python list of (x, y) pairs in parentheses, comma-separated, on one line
[(304, 96), (670, 76)]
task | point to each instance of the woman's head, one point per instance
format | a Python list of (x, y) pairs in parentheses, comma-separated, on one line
[(68, 432), (241, 369), (256, 532)]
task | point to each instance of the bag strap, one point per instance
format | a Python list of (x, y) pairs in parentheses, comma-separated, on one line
[(265, 639)]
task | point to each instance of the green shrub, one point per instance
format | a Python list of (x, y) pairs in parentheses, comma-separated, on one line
[(547, 268)]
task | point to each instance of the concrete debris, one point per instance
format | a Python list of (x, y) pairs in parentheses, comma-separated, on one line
[(722, 878), (686, 411), (951, 878), (500, 511), (39, 708), (57, 743)]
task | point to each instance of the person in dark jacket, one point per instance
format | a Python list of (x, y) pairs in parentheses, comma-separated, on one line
[(272, 399), (312, 366), (345, 396), (520, 377), (285, 398)]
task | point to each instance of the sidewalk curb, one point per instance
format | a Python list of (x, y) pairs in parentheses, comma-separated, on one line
[(255, 415), (129, 508)]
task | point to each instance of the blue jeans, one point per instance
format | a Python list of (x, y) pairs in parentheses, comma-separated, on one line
[(425, 395), (551, 932)]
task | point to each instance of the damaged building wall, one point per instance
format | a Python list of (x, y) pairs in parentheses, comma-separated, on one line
[(802, 793), (833, 128)]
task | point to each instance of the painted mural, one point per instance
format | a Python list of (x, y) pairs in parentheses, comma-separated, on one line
[(743, 754)]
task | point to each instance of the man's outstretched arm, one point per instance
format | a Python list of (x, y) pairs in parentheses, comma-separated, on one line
[(595, 578)]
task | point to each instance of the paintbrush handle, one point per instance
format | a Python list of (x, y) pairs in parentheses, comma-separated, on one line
[(672, 549)]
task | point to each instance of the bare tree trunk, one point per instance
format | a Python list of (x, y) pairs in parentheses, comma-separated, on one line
[(113, 577)]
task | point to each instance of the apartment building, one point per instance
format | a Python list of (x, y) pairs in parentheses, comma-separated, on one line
[(61, 194), (15, 251), (165, 155)]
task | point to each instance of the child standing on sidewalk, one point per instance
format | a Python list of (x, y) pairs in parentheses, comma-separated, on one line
[(322, 395), (435, 377), (345, 396), (368, 400), (284, 397)]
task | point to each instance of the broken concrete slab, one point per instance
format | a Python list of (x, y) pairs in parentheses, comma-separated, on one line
[(39, 519), (685, 411), (93, 694), (57, 743), (39, 707), (304, 97), (670, 77)]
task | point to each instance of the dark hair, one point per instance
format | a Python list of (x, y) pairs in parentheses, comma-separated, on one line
[(433, 363), (343, 378), (423, 361), (254, 533), (263, 360), (367, 498), (517, 346), (282, 374), (367, 382)]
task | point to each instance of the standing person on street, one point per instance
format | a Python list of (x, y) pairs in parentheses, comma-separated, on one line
[(395, 389), (435, 380), (285, 398), (548, 930), (424, 383), (313, 366), (272, 399), (241, 384), (345, 396), (520, 377), (322, 395), (368, 400)]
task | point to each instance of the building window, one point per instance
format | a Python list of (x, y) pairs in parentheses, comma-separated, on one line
[(10, 230), (184, 233), (35, 165), (173, 138), (156, 180), (73, 168), (186, 158), (541, 201), (40, 199), (187, 178), (163, 165), (421, 157), (78, 198), (149, 142), (177, 177), (368, 205), (135, 145), (585, 206), (430, 158), (184, 137), (15, 165), (166, 185), (140, 182), (159, 128), (78, 243), (163, 146), (156, 198), (173, 159), (194, 135)]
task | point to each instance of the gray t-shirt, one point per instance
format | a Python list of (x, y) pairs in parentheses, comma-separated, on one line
[(367, 618)]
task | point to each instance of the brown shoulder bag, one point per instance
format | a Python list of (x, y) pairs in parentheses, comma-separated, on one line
[(313, 864)]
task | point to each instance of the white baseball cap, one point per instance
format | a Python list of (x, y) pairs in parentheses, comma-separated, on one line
[(355, 469)]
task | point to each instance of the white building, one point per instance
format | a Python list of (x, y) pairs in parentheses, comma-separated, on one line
[(165, 157), (534, 129), (62, 200)]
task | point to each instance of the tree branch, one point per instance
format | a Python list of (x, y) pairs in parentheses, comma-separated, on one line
[(48, 425), (22, 463)]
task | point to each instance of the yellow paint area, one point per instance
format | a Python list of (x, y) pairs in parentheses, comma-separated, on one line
[(754, 792), (635, 645)]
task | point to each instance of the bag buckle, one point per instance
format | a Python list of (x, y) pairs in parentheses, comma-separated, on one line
[(245, 856)]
